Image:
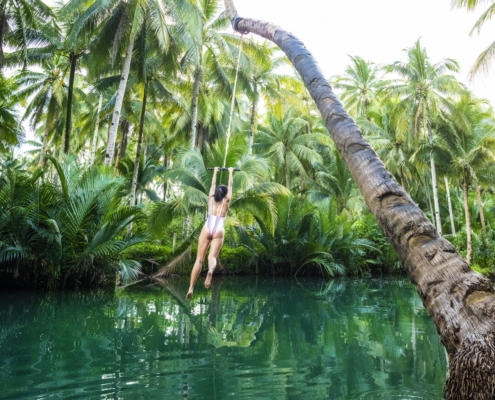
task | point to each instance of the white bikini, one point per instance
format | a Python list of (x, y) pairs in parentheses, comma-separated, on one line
[(215, 222)]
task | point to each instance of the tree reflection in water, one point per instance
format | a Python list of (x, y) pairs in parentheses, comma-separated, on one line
[(248, 338)]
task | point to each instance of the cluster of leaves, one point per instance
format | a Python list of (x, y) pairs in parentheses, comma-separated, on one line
[(67, 229)]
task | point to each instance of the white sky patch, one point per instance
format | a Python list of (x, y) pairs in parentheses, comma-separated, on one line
[(379, 30)]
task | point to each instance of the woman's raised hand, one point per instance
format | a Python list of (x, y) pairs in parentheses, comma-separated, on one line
[(216, 169), (231, 170)]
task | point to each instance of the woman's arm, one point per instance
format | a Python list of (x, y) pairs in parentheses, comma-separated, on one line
[(213, 182), (231, 182)]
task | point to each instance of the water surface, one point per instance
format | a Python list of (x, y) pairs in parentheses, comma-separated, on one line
[(244, 339)]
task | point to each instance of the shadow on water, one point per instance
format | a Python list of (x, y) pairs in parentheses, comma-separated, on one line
[(245, 338)]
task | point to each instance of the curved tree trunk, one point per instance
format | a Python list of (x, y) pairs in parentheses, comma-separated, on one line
[(451, 214), (460, 301), (469, 255), (118, 103)]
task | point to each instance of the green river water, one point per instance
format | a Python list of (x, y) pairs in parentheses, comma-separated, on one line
[(246, 338)]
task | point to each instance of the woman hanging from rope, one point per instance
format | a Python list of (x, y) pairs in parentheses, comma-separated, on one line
[(213, 232)]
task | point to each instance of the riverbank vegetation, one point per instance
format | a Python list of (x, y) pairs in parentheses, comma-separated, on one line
[(120, 107)]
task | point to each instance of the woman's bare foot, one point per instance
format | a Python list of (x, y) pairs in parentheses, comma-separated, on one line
[(208, 279), (189, 294)]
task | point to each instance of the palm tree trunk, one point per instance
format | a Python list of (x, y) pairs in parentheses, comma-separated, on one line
[(450, 205), (137, 159), (3, 28), (41, 162), (124, 131), (482, 214), (201, 138), (469, 254), (434, 185), (138, 148), (70, 96), (118, 104), (195, 101), (287, 174), (165, 184), (460, 301), (253, 120), (95, 133), (430, 205)]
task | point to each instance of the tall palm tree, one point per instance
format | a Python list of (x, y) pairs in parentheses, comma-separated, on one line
[(117, 23), (361, 84), (459, 301), (20, 22), (47, 95), (423, 92), (283, 140), (472, 147)]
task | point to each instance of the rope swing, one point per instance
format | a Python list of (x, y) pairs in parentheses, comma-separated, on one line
[(232, 103)]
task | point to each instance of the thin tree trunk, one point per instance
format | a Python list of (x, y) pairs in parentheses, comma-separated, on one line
[(482, 214), (3, 26), (118, 104), (41, 162), (201, 138), (460, 301), (70, 96), (287, 174), (430, 205), (434, 185), (253, 120), (469, 255), (195, 101), (450, 205), (165, 184), (95, 133), (124, 132), (137, 159)]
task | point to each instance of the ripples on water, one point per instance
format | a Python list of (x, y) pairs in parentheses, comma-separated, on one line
[(244, 339)]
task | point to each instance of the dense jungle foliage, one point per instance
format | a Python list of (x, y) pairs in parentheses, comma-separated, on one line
[(112, 111)]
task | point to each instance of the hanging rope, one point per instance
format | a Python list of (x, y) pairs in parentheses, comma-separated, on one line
[(233, 103)]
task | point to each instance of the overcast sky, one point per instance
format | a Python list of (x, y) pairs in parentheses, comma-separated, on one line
[(379, 30)]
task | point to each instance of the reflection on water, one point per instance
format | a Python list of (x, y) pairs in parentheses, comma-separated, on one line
[(245, 339)]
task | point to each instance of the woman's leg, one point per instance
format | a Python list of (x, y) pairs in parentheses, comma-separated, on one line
[(215, 246), (203, 243)]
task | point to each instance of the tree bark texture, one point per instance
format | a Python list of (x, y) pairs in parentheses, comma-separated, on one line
[(459, 300), (469, 245), (195, 101), (118, 104), (124, 133), (449, 200), (70, 96), (95, 133)]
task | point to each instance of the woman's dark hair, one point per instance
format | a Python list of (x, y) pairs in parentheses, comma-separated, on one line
[(221, 192)]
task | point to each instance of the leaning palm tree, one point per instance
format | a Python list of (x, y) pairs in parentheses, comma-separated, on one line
[(460, 301), (423, 93)]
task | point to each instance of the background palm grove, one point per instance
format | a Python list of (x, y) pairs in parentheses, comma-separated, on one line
[(131, 101)]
